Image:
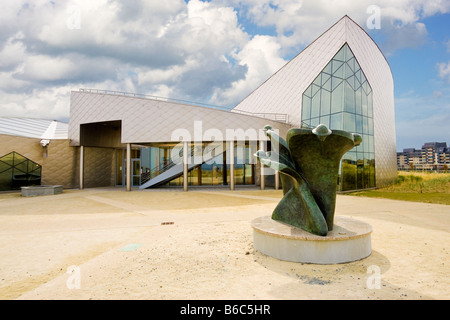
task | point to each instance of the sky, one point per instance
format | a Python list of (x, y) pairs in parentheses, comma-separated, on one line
[(214, 52)]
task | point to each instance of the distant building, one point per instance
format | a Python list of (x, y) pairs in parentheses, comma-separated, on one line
[(432, 156)]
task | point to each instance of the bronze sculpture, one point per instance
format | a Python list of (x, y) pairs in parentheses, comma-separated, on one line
[(308, 161)]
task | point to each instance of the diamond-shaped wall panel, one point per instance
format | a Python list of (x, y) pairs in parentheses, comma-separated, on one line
[(148, 120)]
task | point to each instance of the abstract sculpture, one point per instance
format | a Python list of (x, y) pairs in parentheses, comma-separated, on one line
[(308, 161)]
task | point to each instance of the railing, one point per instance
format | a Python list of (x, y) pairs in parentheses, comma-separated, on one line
[(279, 117), (148, 96), (157, 170)]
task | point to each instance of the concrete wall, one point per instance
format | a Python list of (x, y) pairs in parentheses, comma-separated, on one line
[(61, 165)]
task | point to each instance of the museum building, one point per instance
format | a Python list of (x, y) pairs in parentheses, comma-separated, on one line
[(342, 80)]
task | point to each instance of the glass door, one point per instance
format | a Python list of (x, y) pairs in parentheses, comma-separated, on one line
[(135, 172)]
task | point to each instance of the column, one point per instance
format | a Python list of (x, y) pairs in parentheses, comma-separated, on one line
[(231, 144), (81, 167), (262, 147), (128, 168), (224, 171), (185, 166), (277, 179)]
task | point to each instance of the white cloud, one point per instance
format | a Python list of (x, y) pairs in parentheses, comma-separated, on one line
[(297, 23), (154, 47), (51, 103), (194, 51), (261, 55), (444, 71)]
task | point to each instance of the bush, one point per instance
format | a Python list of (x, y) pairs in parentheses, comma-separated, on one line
[(418, 182)]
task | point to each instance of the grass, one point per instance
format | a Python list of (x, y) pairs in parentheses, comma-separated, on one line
[(414, 186)]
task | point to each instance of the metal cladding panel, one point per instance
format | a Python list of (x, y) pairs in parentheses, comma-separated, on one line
[(378, 73), (282, 92), (148, 120), (34, 128)]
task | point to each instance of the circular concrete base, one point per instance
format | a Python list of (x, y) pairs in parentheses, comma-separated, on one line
[(348, 241)]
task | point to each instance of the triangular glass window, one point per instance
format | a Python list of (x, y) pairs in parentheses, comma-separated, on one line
[(335, 65), (17, 171)]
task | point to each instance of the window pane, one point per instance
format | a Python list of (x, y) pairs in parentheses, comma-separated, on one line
[(315, 122), (336, 98), (370, 123), (372, 183), (358, 94), (239, 174), (348, 171), (349, 98), (4, 166), (249, 174), (306, 123), (315, 89), (364, 104), (365, 125), (351, 81), (327, 85), (217, 174), (336, 121), (349, 122), (327, 69), (194, 176), (338, 69), (371, 144), (308, 92), (8, 159), (325, 78), (359, 124), (351, 66), (306, 109), (325, 120), (341, 54), (325, 103), (5, 180), (359, 170), (22, 166), (365, 143), (315, 106)]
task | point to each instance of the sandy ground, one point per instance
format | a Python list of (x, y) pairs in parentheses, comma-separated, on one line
[(112, 244)]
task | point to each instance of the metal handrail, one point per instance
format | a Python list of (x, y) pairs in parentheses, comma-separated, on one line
[(157, 170), (159, 98)]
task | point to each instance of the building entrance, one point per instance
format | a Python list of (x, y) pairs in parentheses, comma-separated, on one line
[(135, 172)]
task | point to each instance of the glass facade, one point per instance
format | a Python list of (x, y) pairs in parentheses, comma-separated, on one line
[(17, 171), (150, 161), (341, 98)]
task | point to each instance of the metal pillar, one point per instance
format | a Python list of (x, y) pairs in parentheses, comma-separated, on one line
[(185, 166), (81, 167), (128, 169), (277, 179), (232, 165), (263, 183)]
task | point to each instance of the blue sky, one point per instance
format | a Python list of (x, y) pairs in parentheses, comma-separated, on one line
[(422, 91), (214, 52)]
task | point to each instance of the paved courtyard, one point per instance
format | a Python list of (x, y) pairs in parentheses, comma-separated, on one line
[(106, 243)]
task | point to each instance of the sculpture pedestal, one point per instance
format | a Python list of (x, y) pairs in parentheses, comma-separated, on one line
[(348, 241)]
